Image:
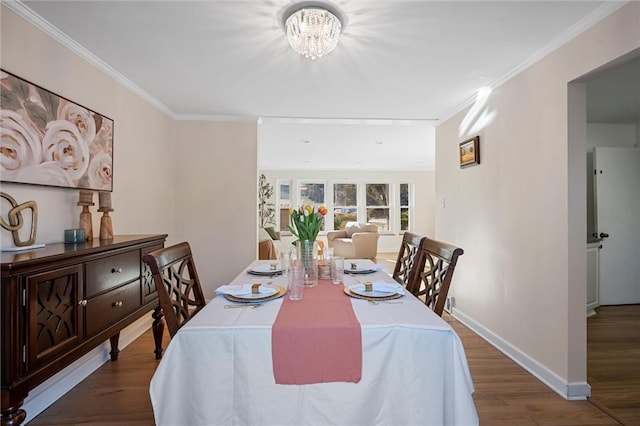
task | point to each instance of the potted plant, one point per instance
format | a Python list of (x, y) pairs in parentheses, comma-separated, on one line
[(266, 209)]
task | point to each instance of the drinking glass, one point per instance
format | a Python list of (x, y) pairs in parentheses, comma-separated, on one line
[(337, 269), (296, 280), (284, 262)]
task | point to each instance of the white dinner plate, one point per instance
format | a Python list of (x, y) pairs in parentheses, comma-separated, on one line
[(265, 270), (359, 270), (258, 297), (374, 293), (387, 296)]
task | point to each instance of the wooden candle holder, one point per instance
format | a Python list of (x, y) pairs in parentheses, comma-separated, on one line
[(106, 228), (85, 222)]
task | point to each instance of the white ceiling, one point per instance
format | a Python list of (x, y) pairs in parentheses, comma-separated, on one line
[(400, 66)]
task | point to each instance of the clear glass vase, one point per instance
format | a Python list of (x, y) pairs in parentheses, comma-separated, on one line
[(307, 254)]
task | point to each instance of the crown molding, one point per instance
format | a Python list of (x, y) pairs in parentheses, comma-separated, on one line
[(308, 120), (214, 117), (352, 121), (37, 21), (569, 34)]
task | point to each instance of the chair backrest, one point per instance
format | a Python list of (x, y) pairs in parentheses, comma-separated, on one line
[(176, 279), (406, 257), (431, 276)]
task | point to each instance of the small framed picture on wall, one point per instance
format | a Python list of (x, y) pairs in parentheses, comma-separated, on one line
[(470, 152)]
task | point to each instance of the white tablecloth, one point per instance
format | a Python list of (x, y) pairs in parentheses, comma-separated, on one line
[(217, 370)]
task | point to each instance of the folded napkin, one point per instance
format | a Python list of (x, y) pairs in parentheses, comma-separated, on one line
[(265, 268), (380, 287), (244, 289), (361, 266)]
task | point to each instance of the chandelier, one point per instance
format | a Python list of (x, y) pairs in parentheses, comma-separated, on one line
[(313, 31)]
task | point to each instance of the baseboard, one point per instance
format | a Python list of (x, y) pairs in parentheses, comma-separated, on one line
[(569, 391), (51, 390)]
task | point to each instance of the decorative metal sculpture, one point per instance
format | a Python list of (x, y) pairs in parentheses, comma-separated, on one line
[(16, 222)]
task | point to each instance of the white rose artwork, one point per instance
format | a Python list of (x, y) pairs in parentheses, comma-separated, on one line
[(49, 140)]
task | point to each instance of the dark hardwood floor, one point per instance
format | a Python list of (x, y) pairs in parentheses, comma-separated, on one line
[(505, 394), (613, 360)]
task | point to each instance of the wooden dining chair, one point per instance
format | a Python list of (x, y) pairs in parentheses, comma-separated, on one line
[(406, 257), (431, 276), (176, 279)]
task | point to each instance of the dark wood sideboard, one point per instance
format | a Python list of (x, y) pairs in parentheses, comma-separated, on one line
[(61, 301)]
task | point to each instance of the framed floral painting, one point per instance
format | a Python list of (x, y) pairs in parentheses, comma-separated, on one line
[(49, 140)]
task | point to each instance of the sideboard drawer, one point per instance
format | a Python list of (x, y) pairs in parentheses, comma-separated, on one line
[(109, 272), (110, 307)]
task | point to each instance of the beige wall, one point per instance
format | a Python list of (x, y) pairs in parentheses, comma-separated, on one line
[(520, 214), (216, 197), (424, 190), (192, 180)]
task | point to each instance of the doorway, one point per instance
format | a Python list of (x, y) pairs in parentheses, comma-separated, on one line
[(610, 119)]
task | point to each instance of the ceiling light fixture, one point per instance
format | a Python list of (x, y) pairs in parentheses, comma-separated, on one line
[(313, 29)]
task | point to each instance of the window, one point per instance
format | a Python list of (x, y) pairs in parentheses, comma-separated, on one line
[(313, 193), (404, 207), (345, 204), (284, 203), (388, 205), (377, 205)]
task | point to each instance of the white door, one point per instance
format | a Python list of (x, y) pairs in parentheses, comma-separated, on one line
[(618, 207)]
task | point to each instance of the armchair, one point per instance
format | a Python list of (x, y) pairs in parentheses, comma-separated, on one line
[(267, 245), (356, 241)]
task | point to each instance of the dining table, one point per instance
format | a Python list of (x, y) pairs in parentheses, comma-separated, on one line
[(369, 361)]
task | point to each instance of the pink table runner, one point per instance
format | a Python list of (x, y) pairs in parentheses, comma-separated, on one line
[(317, 339)]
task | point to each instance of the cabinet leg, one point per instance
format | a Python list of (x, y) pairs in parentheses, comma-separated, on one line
[(13, 416), (158, 330), (114, 346)]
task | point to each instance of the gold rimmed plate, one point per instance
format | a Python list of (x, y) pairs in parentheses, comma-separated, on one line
[(388, 296), (360, 271), (265, 273), (257, 298)]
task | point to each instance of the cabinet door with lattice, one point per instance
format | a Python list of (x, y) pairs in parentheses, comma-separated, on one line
[(55, 317)]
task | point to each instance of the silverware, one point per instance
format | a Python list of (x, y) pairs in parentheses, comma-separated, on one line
[(248, 306), (390, 302)]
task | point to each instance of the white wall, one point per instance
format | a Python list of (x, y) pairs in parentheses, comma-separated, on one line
[(520, 215), (611, 135), (424, 191)]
